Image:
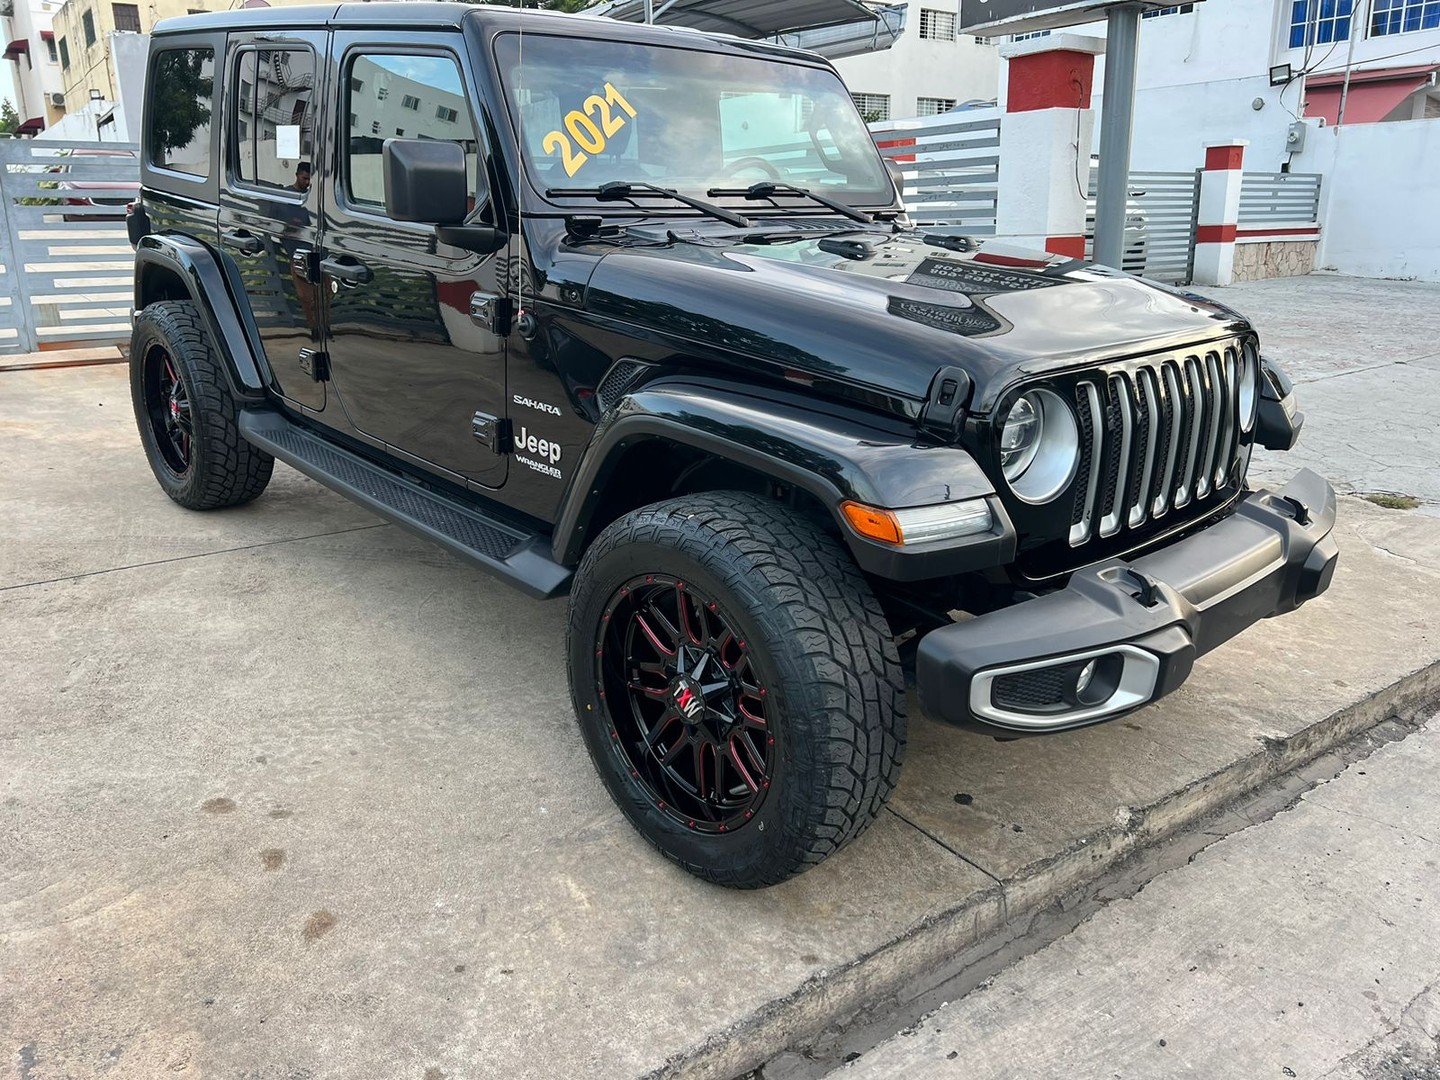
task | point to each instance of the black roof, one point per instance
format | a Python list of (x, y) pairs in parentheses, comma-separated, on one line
[(438, 15)]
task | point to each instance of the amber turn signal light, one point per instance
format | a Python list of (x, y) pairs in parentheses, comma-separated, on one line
[(872, 523)]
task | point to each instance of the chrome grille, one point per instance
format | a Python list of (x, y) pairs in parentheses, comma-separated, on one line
[(1155, 438)]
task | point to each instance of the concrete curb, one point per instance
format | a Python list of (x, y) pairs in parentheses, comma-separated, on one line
[(833, 997)]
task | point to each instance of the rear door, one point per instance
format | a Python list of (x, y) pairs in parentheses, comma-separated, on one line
[(269, 210), (408, 363)]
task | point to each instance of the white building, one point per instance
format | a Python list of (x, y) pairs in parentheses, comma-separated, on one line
[(1250, 69), (929, 70), (30, 76)]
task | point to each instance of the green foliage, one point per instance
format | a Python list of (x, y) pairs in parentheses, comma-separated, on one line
[(181, 98), (9, 118)]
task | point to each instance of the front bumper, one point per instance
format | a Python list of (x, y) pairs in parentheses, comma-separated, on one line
[(1123, 634)]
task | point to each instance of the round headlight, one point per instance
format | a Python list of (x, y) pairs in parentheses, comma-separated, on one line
[(1039, 446), (1020, 437), (1249, 394)]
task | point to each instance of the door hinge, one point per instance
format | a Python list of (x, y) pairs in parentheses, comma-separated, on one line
[(494, 313), (305, 264), (493, 431), (316, 364)]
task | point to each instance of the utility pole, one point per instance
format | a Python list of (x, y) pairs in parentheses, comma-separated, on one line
[(649, 11), (1357, 22), (1117, 122)]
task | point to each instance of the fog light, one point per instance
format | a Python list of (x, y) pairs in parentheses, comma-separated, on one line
[(1083, 679)]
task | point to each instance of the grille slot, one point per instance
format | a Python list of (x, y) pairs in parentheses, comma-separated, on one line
[(1154, 439)]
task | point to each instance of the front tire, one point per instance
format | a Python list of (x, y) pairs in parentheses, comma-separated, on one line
[(737, 685), (186, 414)]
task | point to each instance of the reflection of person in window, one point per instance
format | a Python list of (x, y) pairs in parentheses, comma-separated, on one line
[(299, 216), (302, 177)]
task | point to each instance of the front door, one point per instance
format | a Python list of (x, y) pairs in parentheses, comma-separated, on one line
[(409, 365), (268, 209)]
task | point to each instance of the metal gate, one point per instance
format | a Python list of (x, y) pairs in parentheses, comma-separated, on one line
[(952, 167), (1160, 214), (65, 260)]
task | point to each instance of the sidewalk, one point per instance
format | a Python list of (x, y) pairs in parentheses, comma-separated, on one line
[(1304, 947)]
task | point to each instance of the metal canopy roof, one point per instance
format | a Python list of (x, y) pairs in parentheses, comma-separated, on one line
[(744, 18)]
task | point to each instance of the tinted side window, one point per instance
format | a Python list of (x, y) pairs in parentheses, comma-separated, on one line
[(182, 90), (400, 96), (274, 120)]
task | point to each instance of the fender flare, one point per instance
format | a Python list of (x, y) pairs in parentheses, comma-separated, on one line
[(830, 456), (204, 277)]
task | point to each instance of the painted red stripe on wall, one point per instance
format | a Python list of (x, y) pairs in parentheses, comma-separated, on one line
[(1220, 158), (1215, 234)]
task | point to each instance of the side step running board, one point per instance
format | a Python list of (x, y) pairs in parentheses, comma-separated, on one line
[(519, 557)]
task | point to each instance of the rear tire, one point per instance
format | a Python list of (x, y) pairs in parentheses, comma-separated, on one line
[(186, 413), (799, 734)]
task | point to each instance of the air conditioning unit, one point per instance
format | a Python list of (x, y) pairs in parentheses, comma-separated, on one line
[(57, 100)]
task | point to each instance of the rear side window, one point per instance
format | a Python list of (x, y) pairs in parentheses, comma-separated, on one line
[(182, 95), (274, 118)]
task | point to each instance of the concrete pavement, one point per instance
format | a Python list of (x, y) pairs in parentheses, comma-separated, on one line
[(1304, 946), (285, 792), (1365, 356)]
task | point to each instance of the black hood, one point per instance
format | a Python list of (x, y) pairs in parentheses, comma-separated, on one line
[(886, 311)]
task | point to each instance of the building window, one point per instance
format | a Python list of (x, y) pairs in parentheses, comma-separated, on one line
[(873, 107), (177, 129), (88, 22), (399, 133), (937, 25), (1402, 16), (1031, 34), (410, 101), (933, 106), (1319, 22), (446, 114), (64, 54), (356, 84), (382, 92), (374, 127), (1174, 9), (127, 17), (50, 48)]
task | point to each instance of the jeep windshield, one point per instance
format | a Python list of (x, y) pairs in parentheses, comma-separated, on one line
[(591, 113)]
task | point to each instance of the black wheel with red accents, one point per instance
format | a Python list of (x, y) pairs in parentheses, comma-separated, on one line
[(186, 413), (737, 685)]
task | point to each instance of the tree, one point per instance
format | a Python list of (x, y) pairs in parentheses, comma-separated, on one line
[(9, 118), (182, 92)]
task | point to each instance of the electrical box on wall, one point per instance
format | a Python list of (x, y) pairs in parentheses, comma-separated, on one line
[(1295, 137)]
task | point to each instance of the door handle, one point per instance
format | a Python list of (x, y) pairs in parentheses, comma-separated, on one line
[(245, 242), (347, 272)]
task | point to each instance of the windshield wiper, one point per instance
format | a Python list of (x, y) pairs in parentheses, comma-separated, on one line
[(628, 191), (768, 189)]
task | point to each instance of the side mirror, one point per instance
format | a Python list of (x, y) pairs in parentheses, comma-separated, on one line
[(425, 180)]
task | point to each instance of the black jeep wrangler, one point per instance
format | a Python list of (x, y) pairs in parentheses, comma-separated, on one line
[(637, 315)]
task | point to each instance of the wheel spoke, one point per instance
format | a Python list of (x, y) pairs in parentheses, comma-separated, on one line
[(655, 641), (663, 622), (653, 735), (734, 757), (641, 688)]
